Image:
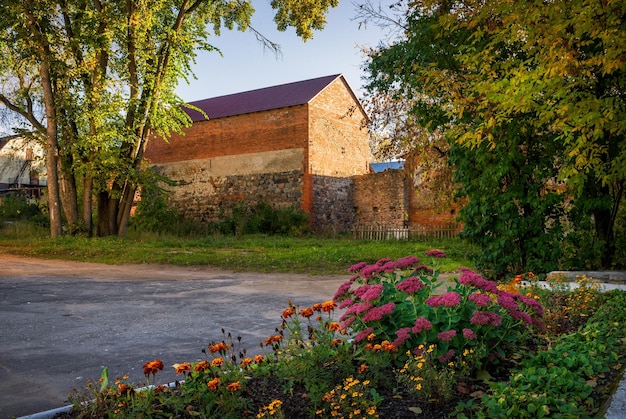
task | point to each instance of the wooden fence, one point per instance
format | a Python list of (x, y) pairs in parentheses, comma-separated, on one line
[(413, 233)]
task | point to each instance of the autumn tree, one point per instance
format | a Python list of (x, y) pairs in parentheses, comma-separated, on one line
[(106, 73), (504, 77)]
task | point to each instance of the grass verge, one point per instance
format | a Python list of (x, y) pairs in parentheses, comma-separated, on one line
[(257, 253)]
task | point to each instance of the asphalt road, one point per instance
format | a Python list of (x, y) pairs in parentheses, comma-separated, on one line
[(62, 322)]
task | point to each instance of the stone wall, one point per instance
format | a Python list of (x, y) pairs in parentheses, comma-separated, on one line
[(212, 197), (381, 199), (333, 208)]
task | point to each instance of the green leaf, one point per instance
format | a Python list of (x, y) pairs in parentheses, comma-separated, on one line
[(104, 379)]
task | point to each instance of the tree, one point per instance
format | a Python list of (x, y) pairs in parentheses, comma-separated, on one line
[(397, 129), (108, 70), (565, 63), (483, 73)]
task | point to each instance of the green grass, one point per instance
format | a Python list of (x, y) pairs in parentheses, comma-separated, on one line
[(312, 255)]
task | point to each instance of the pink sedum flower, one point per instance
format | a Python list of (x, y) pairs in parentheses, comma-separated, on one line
[(406, 262), (446, 336), (363, 334), (378, 313), (403, 335), (410, 285), (469, 334), (481, 300), (421, 324), (435, 253), (482, 318)]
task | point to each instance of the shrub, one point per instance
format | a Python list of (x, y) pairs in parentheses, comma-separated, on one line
[(557, 382), (263, 218), (19, 208), (395, 303)]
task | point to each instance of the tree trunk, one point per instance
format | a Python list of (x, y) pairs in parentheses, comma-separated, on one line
[(52, 145), (68, 194), (107, 215), (87, 204), (604, 233)]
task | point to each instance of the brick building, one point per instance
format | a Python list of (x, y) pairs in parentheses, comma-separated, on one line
[(299, 143)]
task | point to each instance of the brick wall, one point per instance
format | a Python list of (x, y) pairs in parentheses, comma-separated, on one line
[(381, 199), (274, 130), (320, 145), (338, 144)]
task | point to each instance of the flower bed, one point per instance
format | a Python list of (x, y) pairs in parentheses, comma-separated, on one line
[(478, 349)]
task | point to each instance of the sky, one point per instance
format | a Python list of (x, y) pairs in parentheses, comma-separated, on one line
[(245, 65)]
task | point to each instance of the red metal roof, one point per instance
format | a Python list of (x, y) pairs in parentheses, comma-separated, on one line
[(274, 97)]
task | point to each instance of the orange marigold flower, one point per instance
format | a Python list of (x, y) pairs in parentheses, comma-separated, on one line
[(288, 312), (388, 346), (306, 312), (217, 362), (273, 339), (245, 362), (328, 306), (213, 384), (201, 366), (368, 347), (334, 326), (233, 386), (258, 359), (336, 342), (362, 368), (219, 347), (317, 307), (152, 367), (371, 337), (124, 388), (182, 368)]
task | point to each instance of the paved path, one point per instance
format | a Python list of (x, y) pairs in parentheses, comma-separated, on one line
[(62, 322)]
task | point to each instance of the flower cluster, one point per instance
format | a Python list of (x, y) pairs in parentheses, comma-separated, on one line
[(402, 303), (152, 367), (351, 399), (271, 410)]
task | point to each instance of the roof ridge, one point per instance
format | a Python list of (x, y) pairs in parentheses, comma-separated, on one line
[(262, 99)]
